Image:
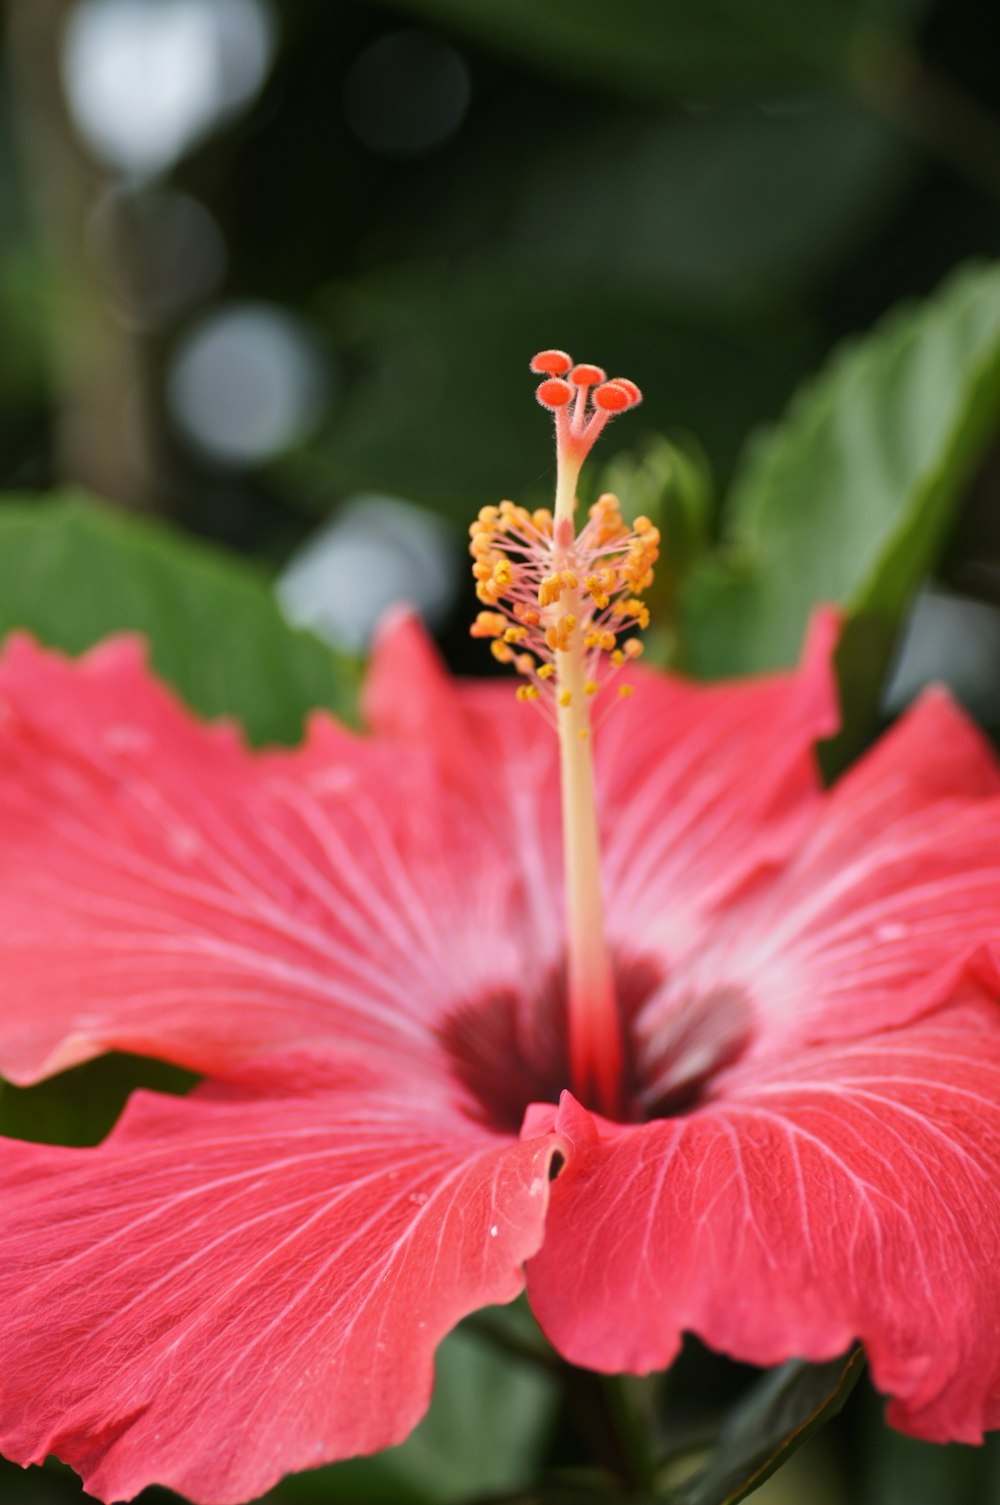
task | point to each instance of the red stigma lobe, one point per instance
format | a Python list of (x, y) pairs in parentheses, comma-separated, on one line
[(551, 362)]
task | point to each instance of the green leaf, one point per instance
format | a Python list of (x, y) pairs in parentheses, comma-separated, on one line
[(849, 498), (782, 1410), (668, 50), (671, 484), (72, 572), (80, 1106)]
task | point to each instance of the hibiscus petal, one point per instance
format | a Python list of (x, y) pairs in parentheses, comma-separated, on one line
[(703, 787), (501, 754), (169, 892), (879, 915), (850, 1192), (233, 1287), (700, 787)]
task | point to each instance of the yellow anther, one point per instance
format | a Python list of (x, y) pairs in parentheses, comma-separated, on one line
[(501, 652), (515, 634), (633, 607), (632, 647), (524, 663), (527, 692), (526, 614), (560, 636), (488, 516), (591, 687), (481, 545), (607, 641), (599, 595), (583, 733), (546, 671), (592, 640), (568, 579), (542, 519), (502, 572), (626, 690), (565, 698), (488, 624), (618, 658), (549, 590), (512, 517), (481, 570)]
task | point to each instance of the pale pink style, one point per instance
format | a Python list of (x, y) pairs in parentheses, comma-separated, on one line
[(360, 944)]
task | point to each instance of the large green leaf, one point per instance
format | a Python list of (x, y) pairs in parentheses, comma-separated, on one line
[(849, 498), (782, 1410), (670, 49), (72, 572)]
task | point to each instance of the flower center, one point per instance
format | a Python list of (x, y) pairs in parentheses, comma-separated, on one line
[(560, 606), (510, 1048)]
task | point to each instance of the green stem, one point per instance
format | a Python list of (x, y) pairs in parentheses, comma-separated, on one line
[(610, 1423)]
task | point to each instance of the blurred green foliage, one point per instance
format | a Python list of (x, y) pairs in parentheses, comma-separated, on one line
[(73, 572)]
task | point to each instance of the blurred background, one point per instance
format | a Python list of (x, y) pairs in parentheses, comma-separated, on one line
[(272, 273)]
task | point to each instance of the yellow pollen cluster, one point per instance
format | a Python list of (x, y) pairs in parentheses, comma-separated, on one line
[(544, 595)]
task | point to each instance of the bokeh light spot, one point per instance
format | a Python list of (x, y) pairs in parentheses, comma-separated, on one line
[(248, 382), (157, 251), (379, 551), (146, 79), (406, 94)]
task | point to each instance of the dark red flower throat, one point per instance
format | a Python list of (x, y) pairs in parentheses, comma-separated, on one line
[(510, 1049)]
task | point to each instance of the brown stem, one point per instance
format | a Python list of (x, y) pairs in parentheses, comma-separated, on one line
[(99, 367)]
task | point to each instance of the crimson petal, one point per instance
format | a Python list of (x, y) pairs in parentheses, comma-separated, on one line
[(700, 788), (171, 893), (850, 1191), (235, 1285), (703, 788), (894, 895)]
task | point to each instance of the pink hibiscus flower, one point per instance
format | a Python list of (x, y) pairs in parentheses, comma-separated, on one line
[(751, 1090)]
